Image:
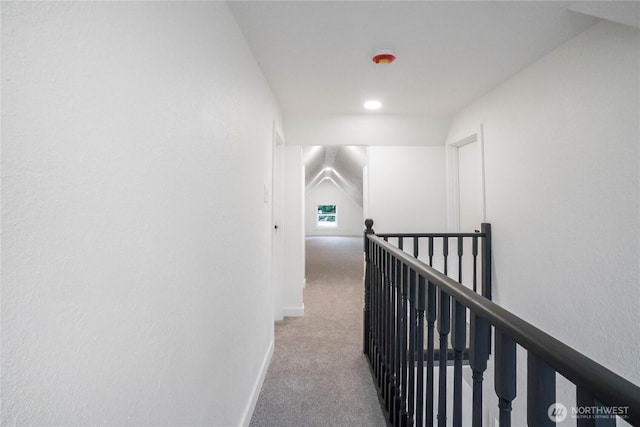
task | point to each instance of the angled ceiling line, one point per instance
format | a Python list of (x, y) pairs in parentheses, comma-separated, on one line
[(349, 196)]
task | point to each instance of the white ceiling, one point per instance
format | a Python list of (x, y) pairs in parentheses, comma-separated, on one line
[(317, 54), (341, 164)]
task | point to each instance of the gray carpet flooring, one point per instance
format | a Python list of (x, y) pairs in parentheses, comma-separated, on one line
[(318, 375)]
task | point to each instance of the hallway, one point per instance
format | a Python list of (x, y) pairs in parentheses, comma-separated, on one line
[(318, 375)]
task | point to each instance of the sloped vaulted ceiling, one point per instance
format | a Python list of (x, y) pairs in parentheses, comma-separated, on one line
[(341, 164)]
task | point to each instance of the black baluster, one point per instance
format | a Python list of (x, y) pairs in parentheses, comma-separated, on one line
[(384, 296), (541, 391), (421, 304), (584, 399), (444, 326), (399, 318), (384, 321), (478, 356), (474, 252), (415, 246), (403, 346), (486, 266), (386, 304), (392, 325), (379, 288), (390, 390), (413, 320), (381, 280), (486, 261), (445, 253), (505, 375), (460, 253), (430, 251), (386, 333), (459, 343), (401, 243), (431, 319)]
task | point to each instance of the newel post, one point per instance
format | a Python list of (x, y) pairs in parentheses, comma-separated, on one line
[(486, 261), (367, 288)]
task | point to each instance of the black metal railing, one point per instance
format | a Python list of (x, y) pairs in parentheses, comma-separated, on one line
[(402, 291)]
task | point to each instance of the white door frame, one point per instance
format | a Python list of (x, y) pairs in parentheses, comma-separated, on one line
[(277, 242), (453, 181)]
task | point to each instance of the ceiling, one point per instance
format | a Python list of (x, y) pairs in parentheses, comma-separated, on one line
[(342, 165), (316, 55)]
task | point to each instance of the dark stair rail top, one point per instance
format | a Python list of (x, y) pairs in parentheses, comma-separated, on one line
[(608, 387)]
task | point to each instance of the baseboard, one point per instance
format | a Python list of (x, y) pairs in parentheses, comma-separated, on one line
[(293, 311), (257, 386)]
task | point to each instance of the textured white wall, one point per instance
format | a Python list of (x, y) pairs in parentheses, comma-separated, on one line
[(350, 222), (136, 140), (562, 181), (407, 189)]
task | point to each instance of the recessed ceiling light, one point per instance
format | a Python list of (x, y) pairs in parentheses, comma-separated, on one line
[(373, 104)]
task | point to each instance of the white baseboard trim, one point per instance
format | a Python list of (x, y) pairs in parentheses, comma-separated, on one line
[(257, 386), (294, 311)]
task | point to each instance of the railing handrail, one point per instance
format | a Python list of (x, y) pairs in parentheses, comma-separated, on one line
[(607, 386), (434, 235)]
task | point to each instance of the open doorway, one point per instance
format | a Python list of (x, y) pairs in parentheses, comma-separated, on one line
[(333, 216), (467, 185), (466, 178), (334, 190)]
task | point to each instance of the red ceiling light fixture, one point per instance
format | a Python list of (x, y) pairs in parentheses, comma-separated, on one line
[(384, 56)]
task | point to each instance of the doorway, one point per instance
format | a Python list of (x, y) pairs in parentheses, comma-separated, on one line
[(334, 190), (467, 183), (467, 195), (277, 241)]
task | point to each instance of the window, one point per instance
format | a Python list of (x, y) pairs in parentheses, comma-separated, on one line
[(327, 216)]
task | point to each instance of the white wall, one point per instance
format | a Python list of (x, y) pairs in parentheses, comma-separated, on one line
[(350, 222), (294, 232), (366, 129), (406, 189), (136, 140), (562, 192)]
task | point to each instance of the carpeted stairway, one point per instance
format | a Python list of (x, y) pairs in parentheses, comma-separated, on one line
[(318, 375)]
